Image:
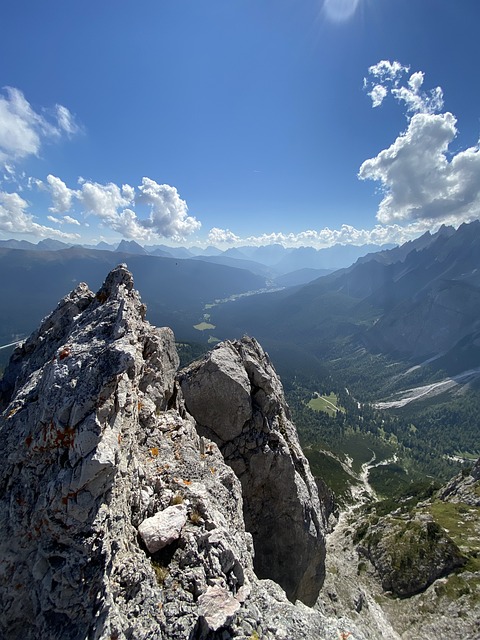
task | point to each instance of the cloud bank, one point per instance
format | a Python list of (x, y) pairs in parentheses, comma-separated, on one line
[(420, 178), (347, 234)]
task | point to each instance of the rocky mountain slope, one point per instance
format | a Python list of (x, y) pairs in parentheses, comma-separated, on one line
[(137, 503), (413, 574)]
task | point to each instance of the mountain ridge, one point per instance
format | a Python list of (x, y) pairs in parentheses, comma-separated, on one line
[(112, 503)]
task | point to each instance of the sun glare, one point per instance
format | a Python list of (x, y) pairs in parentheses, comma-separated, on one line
[(340, 10)]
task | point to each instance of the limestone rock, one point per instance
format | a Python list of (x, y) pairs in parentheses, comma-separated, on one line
[(163, 528), (218, 607), (96, 443), (237, 400), (465, 487)]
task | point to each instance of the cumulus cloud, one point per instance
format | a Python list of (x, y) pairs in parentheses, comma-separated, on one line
[(15, 219), (61, 195), (222, 236), (104, 200), (23, 130), (386, 71), (168, 212), (419, 177), (378, 95)]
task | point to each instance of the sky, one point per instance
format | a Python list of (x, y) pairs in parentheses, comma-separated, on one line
[(234, 122)]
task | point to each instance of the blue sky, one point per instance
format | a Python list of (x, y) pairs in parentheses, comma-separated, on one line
[(238, 121)]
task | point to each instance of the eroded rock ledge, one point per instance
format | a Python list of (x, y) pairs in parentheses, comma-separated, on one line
[(117, 519)]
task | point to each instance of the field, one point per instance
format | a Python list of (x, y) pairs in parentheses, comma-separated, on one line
[(203, 326), (328, 404)]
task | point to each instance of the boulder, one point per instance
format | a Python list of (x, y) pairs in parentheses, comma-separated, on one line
[(163, 528)]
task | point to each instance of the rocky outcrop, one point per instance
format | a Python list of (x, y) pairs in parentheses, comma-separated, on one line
[(409, 554), (465, 487), (237, 400), (117, 519)]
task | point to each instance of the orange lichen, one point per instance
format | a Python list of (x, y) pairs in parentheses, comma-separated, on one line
[(64, 353)]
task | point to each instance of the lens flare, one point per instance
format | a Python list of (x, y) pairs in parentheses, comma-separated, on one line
[(340, 10)]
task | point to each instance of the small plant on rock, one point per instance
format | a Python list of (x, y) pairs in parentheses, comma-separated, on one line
[(161, 572), (178, 498)]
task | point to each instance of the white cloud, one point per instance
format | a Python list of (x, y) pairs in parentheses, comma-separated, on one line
[(168, 212), (419, 177), (386, 78), (70, 220), (15, 219), (386, 71), (222, 236), (416, 100), (61, 195), (23, 130), (103, 200), (66, 121), (322, 238), (65, 219), (114, 207), (378, 95)]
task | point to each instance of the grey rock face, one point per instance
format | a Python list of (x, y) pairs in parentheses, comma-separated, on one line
[(237, 400), (96, 446), (463, 488)]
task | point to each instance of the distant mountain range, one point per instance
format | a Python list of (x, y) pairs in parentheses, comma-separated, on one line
[(416, 303), (272, 261)]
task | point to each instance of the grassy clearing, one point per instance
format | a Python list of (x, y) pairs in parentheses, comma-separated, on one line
[(203, 326), (462, 522), (328, 404)]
